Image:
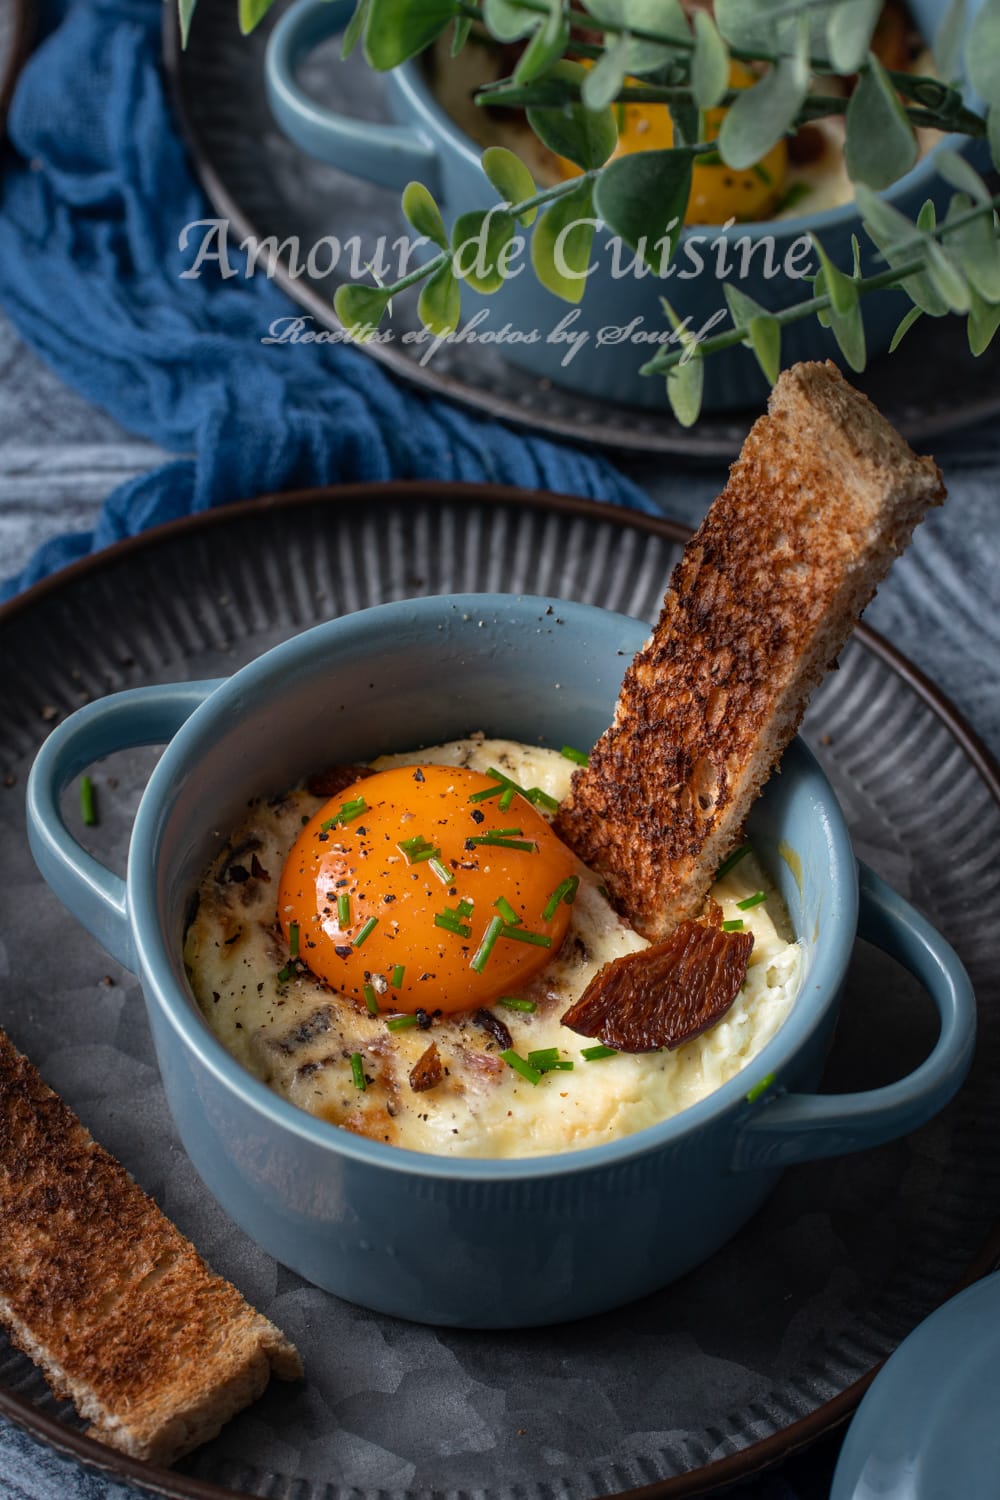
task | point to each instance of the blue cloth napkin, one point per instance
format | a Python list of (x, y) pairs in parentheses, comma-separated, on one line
[(90, 275)]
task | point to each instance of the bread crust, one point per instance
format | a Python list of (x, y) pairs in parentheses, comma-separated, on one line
[(824, 495), (107, 1296)]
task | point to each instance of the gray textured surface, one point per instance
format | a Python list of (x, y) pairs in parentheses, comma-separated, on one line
[(58, 457)]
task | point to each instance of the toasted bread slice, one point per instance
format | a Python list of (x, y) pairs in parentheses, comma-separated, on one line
[(821, 499), (101, 1290)]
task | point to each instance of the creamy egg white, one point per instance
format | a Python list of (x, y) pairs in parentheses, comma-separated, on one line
[(299, 1036)]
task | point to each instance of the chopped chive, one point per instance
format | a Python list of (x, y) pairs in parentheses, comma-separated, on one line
[(507, 797), (401, 1023), (538, 797), (358, 1071), (760, 1088), (491, 791), (418, 849), (732, 861), (564, 1065), (578, 757), (481, 956), (396, 977), (330, 823), (293, 940), (752, 901), (369, 927), (519, 1065), (762, 172), (493, 841), (565, 891), (343, 910), (351, 810), (513, 1002), (285, 974), (437, 868), (540, 939), (508, 913), (450, 922), (506, 833), (87, 810), (371, 999), (542, 1056), (593, 1054), (736, 925), (464, 908)]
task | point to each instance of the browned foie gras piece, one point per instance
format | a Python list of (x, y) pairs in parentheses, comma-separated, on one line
[(821, 499), (427, 1071), (334, 779), (666, 994)]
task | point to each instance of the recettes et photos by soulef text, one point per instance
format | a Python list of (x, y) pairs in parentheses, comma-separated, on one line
[(486, 948)]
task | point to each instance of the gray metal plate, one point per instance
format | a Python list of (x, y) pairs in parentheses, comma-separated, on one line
[(745, 1358)]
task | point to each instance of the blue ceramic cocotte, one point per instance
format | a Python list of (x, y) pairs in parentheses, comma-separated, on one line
[(473, 1243), (425, 144)]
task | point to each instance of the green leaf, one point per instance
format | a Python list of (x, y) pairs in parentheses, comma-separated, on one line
[(606, 12), (823, 314), (586, 137), (880, 145), (686, 120), (478, 240), (765, 341), (252, 12), (511, 178), (948, 41), (947, 277), (842, 290), (904, 327), (361, 307), (545, 48), (984, 320), (850, 335), (742, 309), (424, 214), (560, 244), (664, 16), (745, 24), (761, 115), (962, 175), (460, 35), (685, 383), (606, 77), (993, 135), (890, 225), (982, 52), (354, 28), (710, 64), (185, 15), (976, 249), (507, 22), (439, 306), (398, 29), (642, 197), (849, 32)]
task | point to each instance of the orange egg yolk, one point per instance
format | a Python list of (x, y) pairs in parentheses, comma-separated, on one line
[(414, 890), (718, 192)]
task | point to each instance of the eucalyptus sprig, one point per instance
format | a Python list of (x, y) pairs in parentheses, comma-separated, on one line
[(652, 53)]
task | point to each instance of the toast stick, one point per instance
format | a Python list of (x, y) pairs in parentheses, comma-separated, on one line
[(824, 495), (99, 1288)]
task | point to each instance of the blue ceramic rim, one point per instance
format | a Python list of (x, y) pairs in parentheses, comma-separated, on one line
[(154, 963), (415, 88)]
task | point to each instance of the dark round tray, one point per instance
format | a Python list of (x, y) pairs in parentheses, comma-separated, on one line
[(767, 1345), (264, 185)]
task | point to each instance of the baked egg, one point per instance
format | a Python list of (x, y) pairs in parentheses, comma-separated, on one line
[(396, 960)]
